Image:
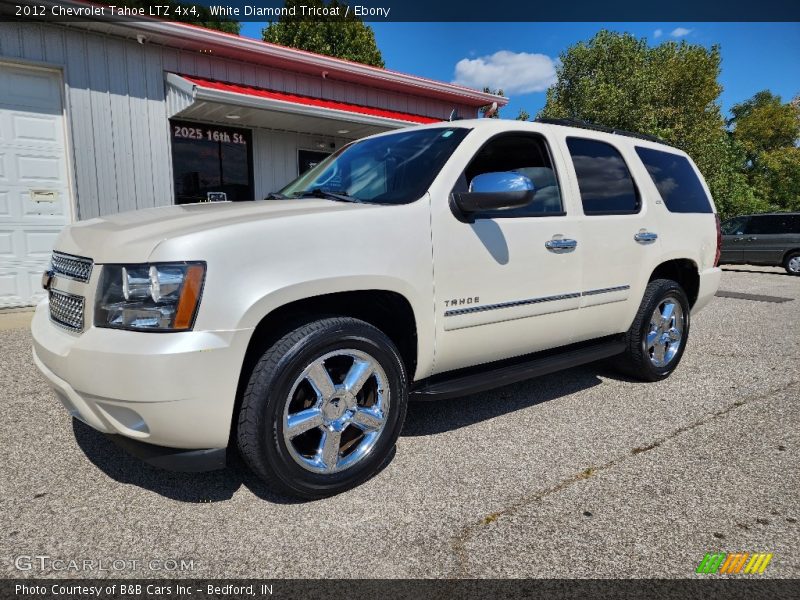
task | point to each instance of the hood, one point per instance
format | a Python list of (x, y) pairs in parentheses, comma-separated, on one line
[(132, 236)]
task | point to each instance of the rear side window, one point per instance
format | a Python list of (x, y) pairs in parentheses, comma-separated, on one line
[(773, 224), (676, 180), (604, 180)]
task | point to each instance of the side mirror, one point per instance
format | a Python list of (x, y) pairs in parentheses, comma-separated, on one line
[(492, 191)]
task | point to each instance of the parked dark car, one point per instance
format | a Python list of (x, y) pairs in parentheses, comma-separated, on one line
[(771, 239)]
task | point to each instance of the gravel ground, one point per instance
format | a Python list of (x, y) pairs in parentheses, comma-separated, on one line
[(577, 474)]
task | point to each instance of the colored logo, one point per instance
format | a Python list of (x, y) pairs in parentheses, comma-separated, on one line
[(740, 562)]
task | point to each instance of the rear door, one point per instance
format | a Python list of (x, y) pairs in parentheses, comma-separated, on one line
[(619, 234), (766, 239)]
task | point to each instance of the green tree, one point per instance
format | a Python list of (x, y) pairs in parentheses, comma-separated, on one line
[(339, 36), (765, 123), (197, 13), (768, 130), (670, 91), (523, 115)]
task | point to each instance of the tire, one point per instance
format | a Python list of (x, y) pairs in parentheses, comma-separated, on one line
[(643, 358), (792, 263), (348, 380)]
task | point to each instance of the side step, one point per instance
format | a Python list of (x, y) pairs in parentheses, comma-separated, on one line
[(497, 374)]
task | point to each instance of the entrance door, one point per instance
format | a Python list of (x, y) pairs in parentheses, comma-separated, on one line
[(211, 163), (34, 185)]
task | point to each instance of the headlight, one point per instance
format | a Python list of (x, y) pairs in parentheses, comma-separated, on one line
[(157, 297)]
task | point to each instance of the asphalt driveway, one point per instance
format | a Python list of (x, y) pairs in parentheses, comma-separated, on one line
[(578, 474)]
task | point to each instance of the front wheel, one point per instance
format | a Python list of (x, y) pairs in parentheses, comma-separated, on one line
[(323, 408), (657, 338)]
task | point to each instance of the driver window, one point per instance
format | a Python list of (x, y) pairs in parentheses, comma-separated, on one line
[(528, 155)]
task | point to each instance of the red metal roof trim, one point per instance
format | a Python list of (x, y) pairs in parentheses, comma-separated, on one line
[(308, 100)]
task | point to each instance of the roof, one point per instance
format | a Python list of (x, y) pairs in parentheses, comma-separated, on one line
[(218, 43), (286, 99)]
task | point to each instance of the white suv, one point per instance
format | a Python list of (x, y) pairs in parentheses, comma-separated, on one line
[(429, 262)]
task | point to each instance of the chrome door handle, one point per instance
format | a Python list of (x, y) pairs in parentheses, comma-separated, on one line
[(645, 237), (560, 244)]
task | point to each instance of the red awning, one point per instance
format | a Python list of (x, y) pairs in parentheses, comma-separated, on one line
[(257, 92)]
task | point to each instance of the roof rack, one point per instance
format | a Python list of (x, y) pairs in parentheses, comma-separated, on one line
[(596, 127)]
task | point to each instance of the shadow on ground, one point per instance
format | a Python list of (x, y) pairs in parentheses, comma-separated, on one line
[(424, 418), (439, 416)]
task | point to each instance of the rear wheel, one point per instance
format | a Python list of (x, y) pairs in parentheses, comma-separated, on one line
[(792, 263), (323, 408), (657, 338)]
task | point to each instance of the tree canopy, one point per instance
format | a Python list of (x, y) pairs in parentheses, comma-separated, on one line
[(767, 129), (338, 36), (672, 91)]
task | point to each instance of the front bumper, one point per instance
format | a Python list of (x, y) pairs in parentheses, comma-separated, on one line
[(173, 390)]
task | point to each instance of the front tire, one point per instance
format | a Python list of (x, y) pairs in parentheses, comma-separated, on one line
[(323, 408), (657, 338), (792, 263)]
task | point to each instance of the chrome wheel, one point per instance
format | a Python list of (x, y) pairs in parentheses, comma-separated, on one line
[(336, 411), (667, 324), (793, 265)]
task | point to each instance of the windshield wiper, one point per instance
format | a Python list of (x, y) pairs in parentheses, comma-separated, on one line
[(276, 196), (328, 195)]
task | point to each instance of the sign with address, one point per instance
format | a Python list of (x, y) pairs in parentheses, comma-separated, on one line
[(208, 133)]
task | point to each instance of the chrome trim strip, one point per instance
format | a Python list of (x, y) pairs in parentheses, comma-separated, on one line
[(475, 309), (618, 288)]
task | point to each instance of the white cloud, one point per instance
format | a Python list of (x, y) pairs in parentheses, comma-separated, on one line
[(658, 33), (513, 72), (680, 32)]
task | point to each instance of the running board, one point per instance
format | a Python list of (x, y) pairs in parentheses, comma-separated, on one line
[(494, 375)]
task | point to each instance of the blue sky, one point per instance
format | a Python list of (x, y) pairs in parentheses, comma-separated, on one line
[(519, 56)]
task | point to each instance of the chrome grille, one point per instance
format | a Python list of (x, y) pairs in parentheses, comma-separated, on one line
[(66, 310), (73, 267)]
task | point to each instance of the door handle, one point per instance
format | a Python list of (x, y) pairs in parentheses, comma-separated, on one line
[(560, 245), (645, 237), (739, 239), (752, 239)]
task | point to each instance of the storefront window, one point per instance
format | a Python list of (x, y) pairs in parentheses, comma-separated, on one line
[(211, 163)]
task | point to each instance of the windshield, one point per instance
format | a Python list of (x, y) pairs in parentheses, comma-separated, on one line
[(390, 169)]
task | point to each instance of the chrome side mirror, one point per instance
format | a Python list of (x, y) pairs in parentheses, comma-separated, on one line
[(492, 191)]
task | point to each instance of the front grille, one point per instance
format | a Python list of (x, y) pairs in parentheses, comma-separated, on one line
[(66, 310), (73, 267)]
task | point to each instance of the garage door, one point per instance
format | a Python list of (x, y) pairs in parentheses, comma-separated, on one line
[(34, 188)]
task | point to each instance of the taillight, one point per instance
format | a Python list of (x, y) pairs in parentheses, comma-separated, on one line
[(719, 240)]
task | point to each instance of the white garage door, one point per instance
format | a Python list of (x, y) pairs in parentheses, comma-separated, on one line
[(34, 188)]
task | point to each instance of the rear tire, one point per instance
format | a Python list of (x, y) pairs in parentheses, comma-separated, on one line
[(792, 263), (323, 408), (657, 338)]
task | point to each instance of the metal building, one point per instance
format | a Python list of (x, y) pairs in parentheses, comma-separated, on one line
[(98, 117)]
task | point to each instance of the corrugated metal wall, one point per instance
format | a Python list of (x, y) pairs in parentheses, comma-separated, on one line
[(115, 99)]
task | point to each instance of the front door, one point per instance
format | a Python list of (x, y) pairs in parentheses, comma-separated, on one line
[(733, 240), (500, 292)]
